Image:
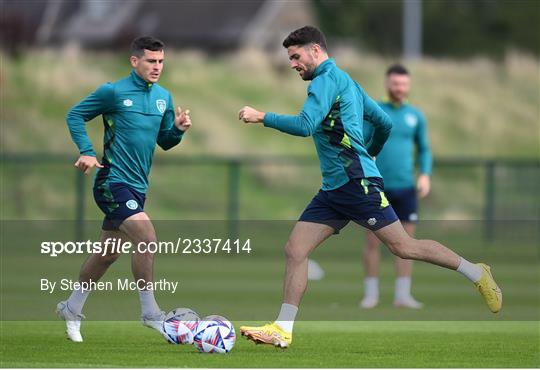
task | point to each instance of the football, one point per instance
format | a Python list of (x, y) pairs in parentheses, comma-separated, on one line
[(214, 334), (179, 325)]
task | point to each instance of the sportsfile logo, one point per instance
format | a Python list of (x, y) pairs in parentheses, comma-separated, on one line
[(179, 246)]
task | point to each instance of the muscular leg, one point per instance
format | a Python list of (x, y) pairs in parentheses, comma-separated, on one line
[(93, 269), (402, 245), (404, 266), (304, 238), (371, 256), (371, 259), (402, 293), (96, 265), (139, 229)]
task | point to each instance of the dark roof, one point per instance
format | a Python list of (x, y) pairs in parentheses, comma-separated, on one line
[(206, 23)]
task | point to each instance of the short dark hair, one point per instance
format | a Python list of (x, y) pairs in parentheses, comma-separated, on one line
[(397, 69), (145, 43), (305, 35)]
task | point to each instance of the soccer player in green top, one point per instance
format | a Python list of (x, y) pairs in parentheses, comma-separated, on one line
[(137, 113), (396, 165), (352, 187)]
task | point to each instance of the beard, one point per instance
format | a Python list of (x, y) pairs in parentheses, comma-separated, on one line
[(308, 76), (308, 73)]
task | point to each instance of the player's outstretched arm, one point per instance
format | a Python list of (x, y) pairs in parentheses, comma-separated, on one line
[(250, 115), (321, 96)]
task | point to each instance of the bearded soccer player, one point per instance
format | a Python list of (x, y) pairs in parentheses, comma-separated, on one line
[(137, 113), (352, 187), (408, 140)]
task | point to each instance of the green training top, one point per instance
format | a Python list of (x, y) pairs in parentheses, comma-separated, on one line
[(396, 159), (136, 115), (334, 114)]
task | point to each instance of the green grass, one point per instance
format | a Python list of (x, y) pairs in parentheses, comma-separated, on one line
[(454, 329), (316, 344), (248, 286), (464, 121)]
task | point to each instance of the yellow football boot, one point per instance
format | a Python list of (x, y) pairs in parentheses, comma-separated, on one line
[(267, 334), (489, 289)]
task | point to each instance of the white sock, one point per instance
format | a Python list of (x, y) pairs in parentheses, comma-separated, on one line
[(76, 300), (149, 306), (469, 270), (371, 287), (403, 288), (286, 317)]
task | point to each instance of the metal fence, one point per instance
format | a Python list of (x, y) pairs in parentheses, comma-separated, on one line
[(36, 186)]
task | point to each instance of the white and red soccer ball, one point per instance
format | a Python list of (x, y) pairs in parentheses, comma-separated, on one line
[(214, 334), (179, 326)]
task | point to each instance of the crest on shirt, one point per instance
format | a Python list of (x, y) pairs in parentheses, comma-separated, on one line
[(161, 105), (128, 103), (411, 120)]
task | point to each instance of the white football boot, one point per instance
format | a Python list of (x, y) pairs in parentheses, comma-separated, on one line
[(408, 302), (369, 302), (73, 321), (154, 321)]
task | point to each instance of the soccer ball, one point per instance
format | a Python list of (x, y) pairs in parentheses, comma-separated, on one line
[(214, 334), (179, 325)]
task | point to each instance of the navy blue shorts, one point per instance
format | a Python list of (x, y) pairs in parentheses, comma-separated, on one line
[(118, 201), (360, 200), (405, 203)]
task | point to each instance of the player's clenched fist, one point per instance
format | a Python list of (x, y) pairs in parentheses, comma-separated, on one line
[(182, 119), (86, 162), (250, 115)]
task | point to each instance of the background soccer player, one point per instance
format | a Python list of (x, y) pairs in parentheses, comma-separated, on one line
[(396, 165), (137, 113), (352, 188)]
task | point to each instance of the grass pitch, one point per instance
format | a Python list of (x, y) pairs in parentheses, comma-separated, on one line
[(316, 344), (454, 329)]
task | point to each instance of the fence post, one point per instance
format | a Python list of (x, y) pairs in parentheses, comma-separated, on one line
[(489, 206), (79, 205), (233, 198)]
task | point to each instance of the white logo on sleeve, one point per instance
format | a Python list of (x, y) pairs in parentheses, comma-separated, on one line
[(411, 120), (161, 105), (128, 103), (132, 204)]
